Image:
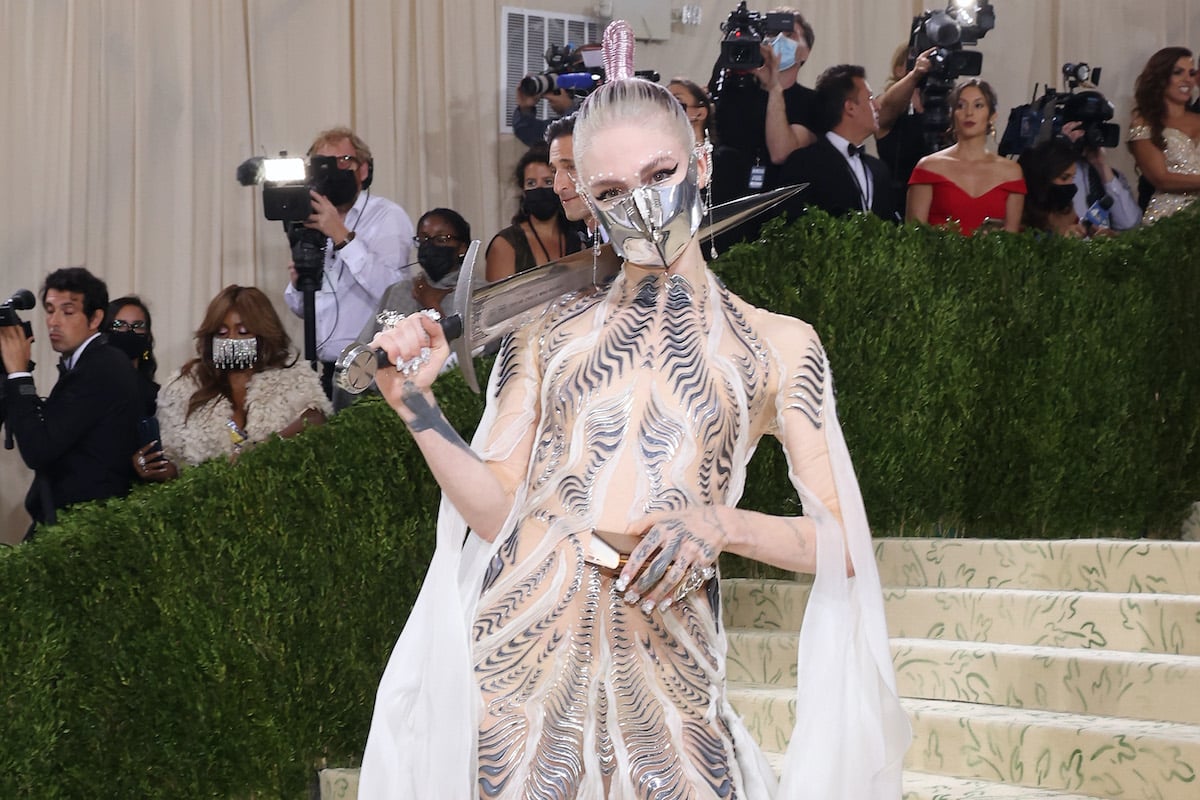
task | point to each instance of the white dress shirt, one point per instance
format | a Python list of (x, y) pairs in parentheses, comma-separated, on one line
[(356, 276), (862, 175)]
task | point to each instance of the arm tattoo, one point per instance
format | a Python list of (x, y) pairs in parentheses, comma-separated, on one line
[(429, 417)]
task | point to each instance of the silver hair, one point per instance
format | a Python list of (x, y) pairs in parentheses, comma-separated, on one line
[(630, 100)]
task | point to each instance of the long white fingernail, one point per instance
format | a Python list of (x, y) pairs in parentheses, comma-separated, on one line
[(647, 607)]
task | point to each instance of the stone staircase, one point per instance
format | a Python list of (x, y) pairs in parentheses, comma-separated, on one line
[(1030, 669)]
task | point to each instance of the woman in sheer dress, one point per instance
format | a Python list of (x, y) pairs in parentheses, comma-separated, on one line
[(964, 183), (537, 662), (1164, 136)]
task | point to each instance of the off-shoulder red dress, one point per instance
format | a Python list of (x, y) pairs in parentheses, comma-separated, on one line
[(951, 202)]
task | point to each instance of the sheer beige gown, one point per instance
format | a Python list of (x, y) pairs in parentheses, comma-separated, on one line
[(651, 396)]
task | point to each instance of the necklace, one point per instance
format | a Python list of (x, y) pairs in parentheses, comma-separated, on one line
[(545, 251)]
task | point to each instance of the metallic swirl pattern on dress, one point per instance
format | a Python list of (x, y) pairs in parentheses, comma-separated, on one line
[(807, 389)]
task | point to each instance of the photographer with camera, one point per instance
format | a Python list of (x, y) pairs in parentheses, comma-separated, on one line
[(763, 113), (525, 124), (79, 439), (368, 247), (1103, 197), (901, 139)]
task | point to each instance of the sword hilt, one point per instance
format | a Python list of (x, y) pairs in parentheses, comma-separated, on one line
[(452, 328)]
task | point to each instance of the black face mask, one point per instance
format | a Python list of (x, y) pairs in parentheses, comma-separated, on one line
[(133, 345), (542, 203), (1061, 195), (338, 186), (438, 261)]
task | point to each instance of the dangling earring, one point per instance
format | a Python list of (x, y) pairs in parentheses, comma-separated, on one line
[(707, 149)]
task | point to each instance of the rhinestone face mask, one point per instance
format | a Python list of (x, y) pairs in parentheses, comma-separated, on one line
[(234, 353), (651, 225)]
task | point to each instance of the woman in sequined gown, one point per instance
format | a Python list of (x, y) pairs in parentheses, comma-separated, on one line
[(1164, 136), (528, 670)]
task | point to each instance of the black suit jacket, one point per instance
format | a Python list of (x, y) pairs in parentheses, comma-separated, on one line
[(831, 184), (79, 441)]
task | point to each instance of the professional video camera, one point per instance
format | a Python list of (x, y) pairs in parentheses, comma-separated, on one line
[(21, 300), (286, 183), (577, 70), (962, 23), (1044, 118), (744, 32)]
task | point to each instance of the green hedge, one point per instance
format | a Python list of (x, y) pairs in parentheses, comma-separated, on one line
[(221, 635)]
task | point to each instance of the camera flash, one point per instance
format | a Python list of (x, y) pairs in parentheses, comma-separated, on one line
[(283, 169)]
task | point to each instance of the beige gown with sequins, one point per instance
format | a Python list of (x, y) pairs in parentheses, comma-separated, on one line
[(1183, 157), (649, 397)]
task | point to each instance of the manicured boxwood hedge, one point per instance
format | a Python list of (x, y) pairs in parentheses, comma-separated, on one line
[(221, 635)]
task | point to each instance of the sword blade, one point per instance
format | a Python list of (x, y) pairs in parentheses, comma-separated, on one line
[(494, 310)]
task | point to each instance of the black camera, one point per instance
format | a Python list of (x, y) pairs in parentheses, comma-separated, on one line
[(744, 32), (948, 32), (1044, 118), (565, 69), (287, 181), (22, 300)]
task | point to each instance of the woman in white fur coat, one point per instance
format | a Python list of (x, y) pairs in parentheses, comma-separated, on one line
[(245, 385)]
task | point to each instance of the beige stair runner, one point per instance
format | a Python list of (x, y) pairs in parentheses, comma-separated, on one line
[(1064, 670)]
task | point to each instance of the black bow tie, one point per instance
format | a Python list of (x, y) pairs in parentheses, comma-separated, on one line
[(855, 149)]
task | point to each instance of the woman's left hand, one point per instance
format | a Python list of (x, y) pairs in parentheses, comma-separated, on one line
[(677, 548)]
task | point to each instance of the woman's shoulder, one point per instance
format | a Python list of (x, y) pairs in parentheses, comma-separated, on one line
[(1007, 169)]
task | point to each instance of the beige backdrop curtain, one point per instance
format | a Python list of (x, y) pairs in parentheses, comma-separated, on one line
[(124, 120)]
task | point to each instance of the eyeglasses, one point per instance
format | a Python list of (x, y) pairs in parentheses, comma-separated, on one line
[(442, 239), (344, 162), (121, 325)]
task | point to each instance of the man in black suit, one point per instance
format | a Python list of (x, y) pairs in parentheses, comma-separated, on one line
[(80, 440), (842, 178)]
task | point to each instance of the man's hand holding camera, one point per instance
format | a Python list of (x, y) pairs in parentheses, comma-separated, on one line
[(326, 218), (1094, 155), (15, 347)]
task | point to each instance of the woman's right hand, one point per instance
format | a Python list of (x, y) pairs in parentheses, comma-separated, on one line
[(151, 465), (417, 349)]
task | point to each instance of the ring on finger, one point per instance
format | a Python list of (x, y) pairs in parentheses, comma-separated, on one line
[(693, 580)]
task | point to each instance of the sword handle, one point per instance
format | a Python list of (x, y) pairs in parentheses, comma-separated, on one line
[(452, 328)]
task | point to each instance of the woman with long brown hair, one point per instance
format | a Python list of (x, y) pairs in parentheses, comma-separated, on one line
[(244, 385), (1164, 136), (540, 231), (965, 183)]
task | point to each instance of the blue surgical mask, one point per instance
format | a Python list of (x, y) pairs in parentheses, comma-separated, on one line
[(785, 48)]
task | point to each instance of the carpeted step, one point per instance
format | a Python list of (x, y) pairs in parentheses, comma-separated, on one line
[(1110, 683), (1090, 565), (1120, 759), (1150, 686), (1161, 623), (923, 786), (1157, 623)]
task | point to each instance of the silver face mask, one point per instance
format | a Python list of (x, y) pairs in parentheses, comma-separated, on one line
[(234, 353), (651, 226)]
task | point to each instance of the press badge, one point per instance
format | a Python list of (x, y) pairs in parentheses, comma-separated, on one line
[(757, 174)]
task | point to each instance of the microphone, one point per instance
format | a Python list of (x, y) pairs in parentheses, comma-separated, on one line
[(1098, 213), (21, 300)]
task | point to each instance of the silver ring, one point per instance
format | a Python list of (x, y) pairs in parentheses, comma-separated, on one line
[(142, 462), (695, 578)]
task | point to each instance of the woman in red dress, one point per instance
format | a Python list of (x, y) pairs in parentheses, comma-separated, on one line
[(964, 183)]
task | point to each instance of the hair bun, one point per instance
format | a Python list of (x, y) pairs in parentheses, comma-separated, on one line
[(617, 51)]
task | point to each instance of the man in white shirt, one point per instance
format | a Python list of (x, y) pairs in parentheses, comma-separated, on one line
[(368, 247), (842, 178)]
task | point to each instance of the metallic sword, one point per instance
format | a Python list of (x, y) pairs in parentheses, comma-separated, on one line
[(489, 311)]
